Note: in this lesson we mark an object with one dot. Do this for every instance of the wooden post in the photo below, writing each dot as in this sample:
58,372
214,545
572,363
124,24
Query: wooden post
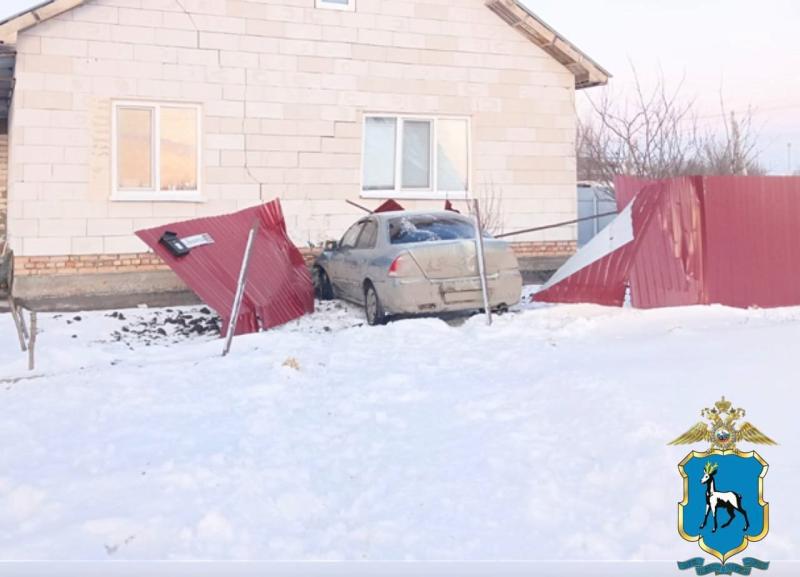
481,261
237,299
32,342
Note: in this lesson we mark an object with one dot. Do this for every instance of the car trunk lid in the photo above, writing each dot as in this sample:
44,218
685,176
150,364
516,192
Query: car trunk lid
458,258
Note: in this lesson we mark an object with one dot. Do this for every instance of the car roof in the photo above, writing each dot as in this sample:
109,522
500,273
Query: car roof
399,213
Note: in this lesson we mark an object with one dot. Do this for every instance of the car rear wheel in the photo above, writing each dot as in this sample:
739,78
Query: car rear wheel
322,285
373,307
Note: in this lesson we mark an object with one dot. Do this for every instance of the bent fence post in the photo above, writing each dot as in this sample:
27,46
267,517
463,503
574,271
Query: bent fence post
481,260
237,300
19,323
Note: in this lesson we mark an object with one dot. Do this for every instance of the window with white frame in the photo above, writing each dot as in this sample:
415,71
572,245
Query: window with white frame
156,151
415,156
349,5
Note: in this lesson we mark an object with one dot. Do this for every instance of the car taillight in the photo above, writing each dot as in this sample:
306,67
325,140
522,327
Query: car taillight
403,265
394,267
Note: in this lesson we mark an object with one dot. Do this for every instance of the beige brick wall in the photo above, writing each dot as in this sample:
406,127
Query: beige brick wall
283,88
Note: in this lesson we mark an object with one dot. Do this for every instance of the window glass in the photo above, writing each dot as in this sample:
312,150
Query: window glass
451,151
349,238
379,153
368,236
398,154
426,228
178,162
416,154
134,148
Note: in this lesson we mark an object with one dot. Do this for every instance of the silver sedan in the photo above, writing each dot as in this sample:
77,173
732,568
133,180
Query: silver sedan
399,263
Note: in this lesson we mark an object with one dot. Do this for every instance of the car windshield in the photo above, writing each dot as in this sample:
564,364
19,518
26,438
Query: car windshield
427,228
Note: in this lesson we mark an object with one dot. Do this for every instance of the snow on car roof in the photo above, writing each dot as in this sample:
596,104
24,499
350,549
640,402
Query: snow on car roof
438,213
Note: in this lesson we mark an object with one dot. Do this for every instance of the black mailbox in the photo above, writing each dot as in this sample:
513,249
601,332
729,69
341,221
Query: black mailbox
174,245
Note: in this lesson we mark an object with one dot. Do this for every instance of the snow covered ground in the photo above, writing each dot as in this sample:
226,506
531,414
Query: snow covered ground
541,437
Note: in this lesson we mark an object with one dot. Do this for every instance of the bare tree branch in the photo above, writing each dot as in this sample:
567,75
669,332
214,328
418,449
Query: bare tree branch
653,133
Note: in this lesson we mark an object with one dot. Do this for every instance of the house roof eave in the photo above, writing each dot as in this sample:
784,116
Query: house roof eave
587,72
11,26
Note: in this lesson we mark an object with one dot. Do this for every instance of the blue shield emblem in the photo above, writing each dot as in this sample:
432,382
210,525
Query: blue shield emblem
723,506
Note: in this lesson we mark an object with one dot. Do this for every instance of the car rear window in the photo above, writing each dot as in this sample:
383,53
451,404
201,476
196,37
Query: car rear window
424,228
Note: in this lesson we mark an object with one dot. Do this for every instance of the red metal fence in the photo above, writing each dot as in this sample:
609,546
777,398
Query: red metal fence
699,240
751,226
279,286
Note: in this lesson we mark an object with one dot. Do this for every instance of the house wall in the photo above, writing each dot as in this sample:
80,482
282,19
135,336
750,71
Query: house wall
3,181
283,87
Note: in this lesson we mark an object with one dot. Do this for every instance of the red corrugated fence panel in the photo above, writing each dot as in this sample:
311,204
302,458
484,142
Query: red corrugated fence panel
751,227
604,280
626,187
278,287
697,240
389,205
668,267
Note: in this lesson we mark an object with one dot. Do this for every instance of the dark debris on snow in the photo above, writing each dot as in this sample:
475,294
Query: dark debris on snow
163,326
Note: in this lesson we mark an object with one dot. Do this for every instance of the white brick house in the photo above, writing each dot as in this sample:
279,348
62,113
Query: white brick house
126,114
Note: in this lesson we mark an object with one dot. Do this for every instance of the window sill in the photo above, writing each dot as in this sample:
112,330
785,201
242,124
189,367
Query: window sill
415,195
153,196
349,7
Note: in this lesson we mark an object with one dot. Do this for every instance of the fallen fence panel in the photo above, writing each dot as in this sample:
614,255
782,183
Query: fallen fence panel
279,285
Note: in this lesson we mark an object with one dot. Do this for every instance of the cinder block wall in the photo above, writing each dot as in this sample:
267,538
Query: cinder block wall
283,88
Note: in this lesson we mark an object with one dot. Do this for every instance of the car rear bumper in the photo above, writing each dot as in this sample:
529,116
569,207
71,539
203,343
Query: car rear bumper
422,295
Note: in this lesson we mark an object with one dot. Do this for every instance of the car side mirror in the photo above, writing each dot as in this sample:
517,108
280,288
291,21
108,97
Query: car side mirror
331,244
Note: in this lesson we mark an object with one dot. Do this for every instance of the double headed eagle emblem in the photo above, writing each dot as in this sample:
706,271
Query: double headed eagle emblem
722,432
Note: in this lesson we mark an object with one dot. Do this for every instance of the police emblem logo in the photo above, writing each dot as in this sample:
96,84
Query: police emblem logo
723,507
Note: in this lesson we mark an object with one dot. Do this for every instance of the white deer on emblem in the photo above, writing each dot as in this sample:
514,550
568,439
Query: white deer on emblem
727,500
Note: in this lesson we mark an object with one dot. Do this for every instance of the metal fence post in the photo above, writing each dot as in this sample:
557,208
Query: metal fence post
237,300
32,342
481,260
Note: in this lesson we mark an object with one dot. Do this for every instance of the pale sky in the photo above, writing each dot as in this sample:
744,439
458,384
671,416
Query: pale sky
748,50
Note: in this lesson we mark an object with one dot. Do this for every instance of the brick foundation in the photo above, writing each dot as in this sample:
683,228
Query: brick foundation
87,264
146,261
545,248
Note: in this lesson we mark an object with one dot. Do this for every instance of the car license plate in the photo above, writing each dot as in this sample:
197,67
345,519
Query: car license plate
462,285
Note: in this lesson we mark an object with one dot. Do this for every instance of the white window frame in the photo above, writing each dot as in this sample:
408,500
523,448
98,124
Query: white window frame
433,192
155,193
349,7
